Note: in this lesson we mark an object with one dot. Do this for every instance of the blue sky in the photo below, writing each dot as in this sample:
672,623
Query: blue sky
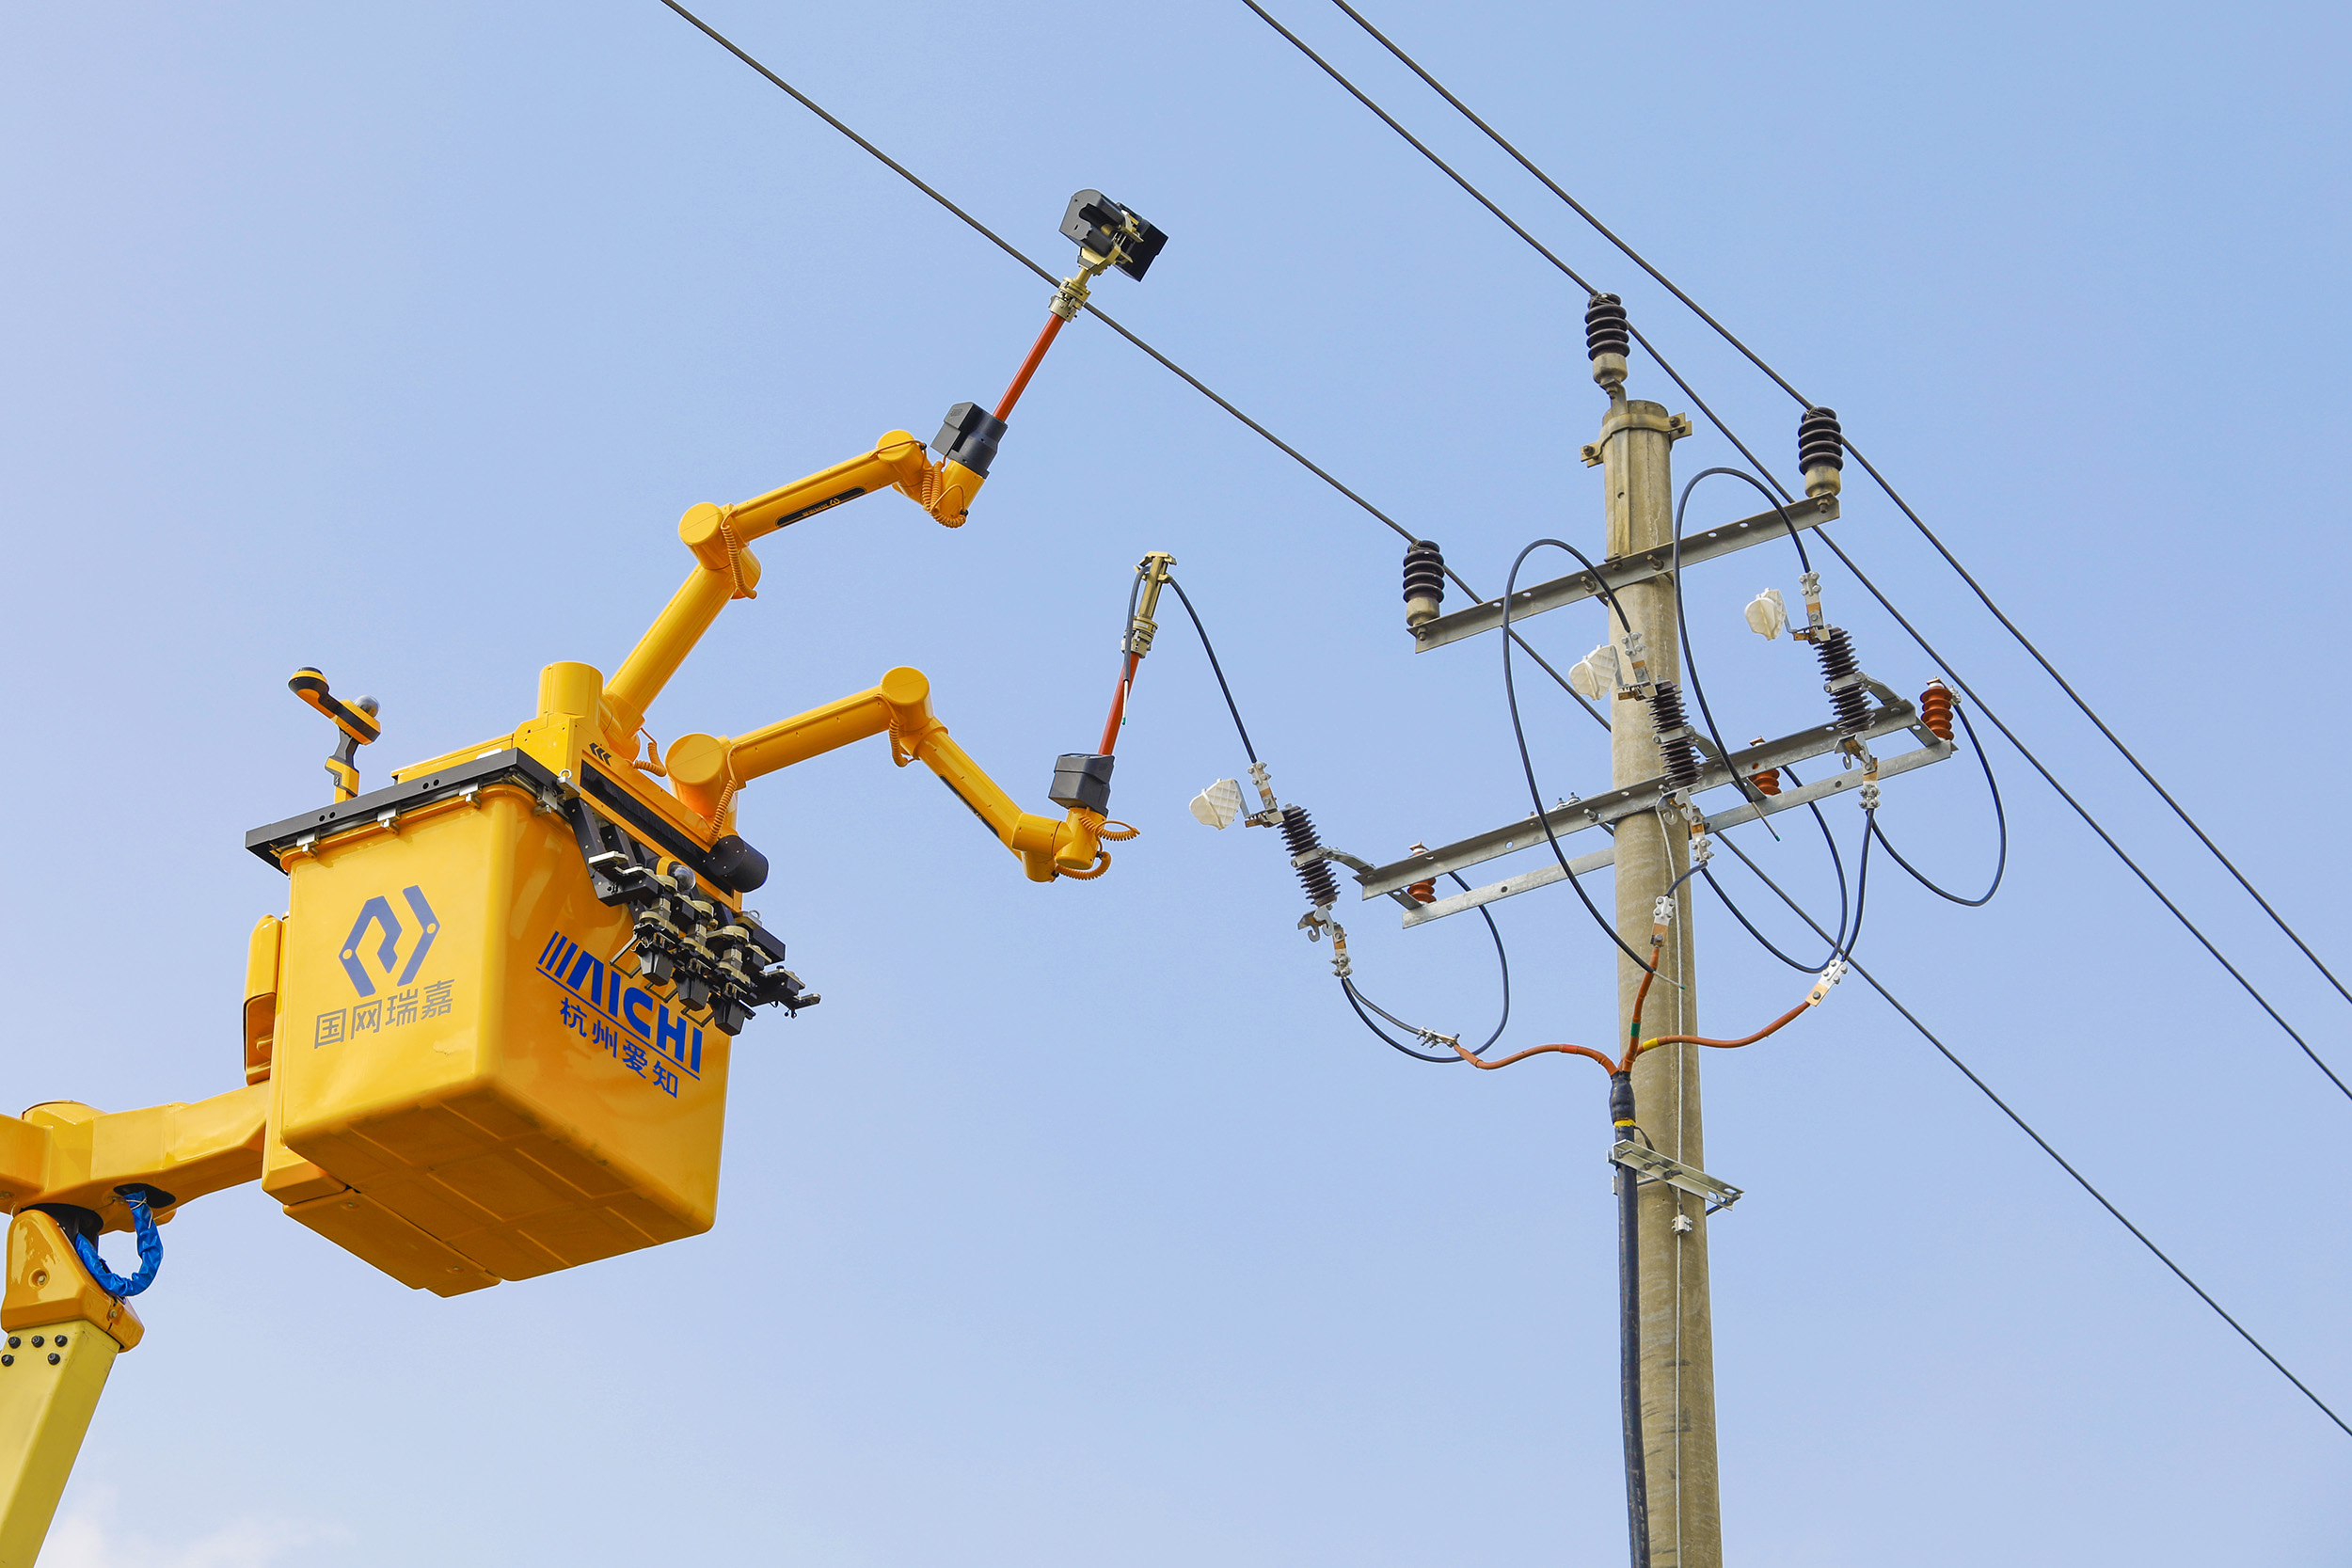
1081,1223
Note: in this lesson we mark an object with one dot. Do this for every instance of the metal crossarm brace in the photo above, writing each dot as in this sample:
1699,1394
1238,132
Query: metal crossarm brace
1891,718
1619,571
1647,1162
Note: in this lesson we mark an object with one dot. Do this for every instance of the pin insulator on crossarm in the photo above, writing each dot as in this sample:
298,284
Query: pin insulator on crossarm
1935,710
1608,338
1424,891
1820,452
1424,584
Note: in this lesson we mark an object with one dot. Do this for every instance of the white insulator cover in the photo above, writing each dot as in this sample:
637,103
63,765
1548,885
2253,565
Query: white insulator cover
1767,616
1594,675
1218,804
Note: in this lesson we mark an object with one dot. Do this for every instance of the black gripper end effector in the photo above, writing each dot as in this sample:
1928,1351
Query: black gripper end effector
1082,780
969,437
1097,223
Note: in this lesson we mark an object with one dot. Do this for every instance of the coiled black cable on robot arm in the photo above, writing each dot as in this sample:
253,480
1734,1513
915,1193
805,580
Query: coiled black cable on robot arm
1355,999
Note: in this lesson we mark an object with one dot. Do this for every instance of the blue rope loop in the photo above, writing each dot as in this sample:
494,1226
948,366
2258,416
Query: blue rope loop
151,1249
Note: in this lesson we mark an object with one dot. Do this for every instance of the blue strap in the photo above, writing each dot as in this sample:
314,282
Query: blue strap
150,1251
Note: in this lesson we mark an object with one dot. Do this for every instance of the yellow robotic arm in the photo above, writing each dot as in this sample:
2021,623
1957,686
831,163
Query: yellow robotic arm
724,569
706,770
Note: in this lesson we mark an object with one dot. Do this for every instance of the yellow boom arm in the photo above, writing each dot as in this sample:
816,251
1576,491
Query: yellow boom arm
724,570
62,1329
707,770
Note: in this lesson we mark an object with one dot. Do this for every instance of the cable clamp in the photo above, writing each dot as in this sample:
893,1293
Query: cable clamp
1701,847
1272,815
1662,912
1871,795
1637,655
1830,977
1811,584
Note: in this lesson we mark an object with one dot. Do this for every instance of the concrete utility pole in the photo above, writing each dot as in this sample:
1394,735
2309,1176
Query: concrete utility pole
1678,1357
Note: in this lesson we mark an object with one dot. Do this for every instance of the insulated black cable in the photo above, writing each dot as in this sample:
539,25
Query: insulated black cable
1682,620
1358,1001
2043,1144
1166,363
1837,943
1728,436
1698,689
2051,779
1518,733
1215,668
1355,999
1916,522
2000,818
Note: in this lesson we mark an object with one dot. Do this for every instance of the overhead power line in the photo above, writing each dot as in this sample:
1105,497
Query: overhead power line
1916,522
2104,837
1186,376
2043,1144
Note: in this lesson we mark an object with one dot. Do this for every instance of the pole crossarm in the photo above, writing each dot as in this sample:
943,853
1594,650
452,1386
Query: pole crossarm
1892,717
1622,571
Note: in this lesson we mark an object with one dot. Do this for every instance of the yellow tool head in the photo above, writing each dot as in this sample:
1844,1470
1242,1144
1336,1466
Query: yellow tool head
357,722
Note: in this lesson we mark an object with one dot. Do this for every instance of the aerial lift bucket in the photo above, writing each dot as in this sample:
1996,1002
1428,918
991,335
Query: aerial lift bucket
472,1080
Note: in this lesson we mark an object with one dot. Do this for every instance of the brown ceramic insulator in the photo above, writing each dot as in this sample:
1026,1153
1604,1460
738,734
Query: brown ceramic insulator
1935,710
1768,781
1424,891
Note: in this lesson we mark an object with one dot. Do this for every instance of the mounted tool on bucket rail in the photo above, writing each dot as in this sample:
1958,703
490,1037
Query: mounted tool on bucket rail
489,1040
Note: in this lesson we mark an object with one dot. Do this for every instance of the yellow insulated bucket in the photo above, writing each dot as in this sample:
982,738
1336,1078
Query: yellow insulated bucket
472,1080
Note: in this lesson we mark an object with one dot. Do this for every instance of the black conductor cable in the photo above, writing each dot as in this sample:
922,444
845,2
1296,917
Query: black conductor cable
1355,999
2043,1144
2000,819
1163,361
1518,732
1358,1001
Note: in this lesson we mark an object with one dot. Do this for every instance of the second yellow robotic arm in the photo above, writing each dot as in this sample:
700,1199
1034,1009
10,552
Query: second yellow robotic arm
706,770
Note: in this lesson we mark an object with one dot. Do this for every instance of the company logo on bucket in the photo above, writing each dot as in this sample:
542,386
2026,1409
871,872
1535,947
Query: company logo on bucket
622,1016
378,911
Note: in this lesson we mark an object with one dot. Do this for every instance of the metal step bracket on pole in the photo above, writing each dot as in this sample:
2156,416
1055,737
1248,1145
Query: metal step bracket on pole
1644,1161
